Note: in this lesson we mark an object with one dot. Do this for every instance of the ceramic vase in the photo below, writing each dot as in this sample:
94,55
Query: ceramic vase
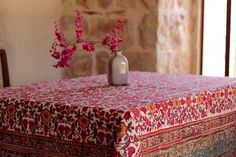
118,69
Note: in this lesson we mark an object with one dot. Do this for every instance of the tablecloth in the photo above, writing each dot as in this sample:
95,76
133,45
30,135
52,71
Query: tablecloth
154,115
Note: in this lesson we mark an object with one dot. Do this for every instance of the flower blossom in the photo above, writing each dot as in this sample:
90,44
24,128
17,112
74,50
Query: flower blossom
114,40
106,40
59,43
89,46
63,53
65,56
79,28
121,25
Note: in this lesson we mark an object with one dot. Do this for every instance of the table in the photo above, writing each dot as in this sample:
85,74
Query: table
155,115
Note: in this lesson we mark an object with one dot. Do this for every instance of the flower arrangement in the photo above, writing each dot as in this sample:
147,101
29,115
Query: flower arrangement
63,52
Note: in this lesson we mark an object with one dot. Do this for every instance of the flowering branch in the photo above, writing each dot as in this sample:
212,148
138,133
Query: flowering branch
60,50
63,53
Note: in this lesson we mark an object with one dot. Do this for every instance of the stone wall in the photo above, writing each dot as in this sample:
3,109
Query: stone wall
100,16
162,35
178,41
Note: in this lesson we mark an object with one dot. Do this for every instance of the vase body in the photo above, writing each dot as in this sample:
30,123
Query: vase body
118,69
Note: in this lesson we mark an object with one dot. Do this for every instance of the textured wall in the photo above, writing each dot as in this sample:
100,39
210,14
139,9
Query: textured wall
99,17
162,35
178,49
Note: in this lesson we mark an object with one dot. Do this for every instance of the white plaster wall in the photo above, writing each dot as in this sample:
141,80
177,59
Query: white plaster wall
26,31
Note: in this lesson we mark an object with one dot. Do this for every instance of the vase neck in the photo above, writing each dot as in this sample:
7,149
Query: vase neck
118,53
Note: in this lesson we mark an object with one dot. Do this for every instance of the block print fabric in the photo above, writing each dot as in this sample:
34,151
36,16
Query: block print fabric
155,115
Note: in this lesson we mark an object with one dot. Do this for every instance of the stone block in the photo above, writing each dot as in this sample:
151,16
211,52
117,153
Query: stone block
87,4
99,27
102,59
185,4
126,3
119,13
148,31
140,4
104,4
141,61
81,65
174,4
149,4
173,31
174,62
167,4
66,22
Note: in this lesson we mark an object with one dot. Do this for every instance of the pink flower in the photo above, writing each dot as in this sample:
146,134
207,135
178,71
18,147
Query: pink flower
59,36
64,57
56,55
89,46
106,40
63,53
79,28
121,25
114,40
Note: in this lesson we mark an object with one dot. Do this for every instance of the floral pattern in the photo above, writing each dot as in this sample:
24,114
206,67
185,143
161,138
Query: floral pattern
11,110
87,112
201,135
46,117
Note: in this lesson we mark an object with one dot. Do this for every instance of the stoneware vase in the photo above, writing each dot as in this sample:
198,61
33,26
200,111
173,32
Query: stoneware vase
118,69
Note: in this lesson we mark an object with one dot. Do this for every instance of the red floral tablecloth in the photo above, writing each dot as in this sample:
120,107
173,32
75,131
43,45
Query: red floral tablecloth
155,115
